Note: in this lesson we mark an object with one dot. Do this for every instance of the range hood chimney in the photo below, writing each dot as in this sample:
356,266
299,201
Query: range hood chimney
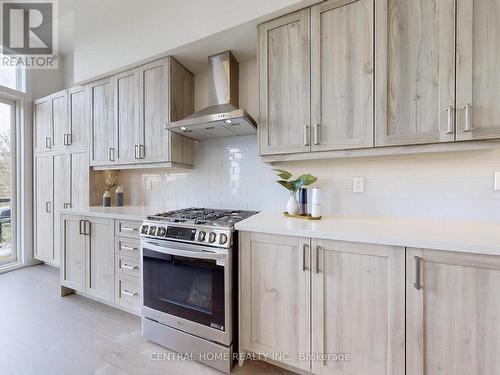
222,117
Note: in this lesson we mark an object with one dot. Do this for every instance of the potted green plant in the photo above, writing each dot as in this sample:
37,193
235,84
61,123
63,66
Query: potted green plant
293,186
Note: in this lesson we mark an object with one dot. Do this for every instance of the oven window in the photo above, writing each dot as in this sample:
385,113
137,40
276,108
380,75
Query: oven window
189,288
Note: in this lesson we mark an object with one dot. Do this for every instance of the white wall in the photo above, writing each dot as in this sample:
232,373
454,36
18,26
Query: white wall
114,33
41,82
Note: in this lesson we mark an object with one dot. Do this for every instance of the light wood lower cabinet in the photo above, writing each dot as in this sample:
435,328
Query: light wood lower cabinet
358,308
100,259
275,296
99,265
88,261
452,313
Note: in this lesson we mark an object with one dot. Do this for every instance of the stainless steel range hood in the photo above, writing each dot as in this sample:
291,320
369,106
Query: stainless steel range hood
223,117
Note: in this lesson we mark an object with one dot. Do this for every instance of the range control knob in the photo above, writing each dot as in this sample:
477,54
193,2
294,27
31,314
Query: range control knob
211,237
161,232
201,235
222,239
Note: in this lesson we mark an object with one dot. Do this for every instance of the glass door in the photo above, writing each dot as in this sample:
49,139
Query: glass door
8,251
185,287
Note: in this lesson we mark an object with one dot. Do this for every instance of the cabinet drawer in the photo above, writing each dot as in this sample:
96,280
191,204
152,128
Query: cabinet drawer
128,228
127,247
128,266
128,292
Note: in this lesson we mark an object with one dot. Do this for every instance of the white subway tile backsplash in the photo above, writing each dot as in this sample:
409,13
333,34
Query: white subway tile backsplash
228,173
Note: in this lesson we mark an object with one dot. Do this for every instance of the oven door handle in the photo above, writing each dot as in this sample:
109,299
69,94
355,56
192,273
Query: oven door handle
184,253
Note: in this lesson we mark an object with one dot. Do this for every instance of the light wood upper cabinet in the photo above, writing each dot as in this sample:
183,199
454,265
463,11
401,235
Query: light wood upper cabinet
77,129
127,132
102,122
478,76
342,74
453,318
144,100
284,75
42,124
275,298
59,118
154,101
100,258
43,202
73,252
358,307
415,78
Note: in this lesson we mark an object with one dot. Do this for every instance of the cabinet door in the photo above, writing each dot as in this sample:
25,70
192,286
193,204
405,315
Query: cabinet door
100,259
42,124
154,103
73,252
44,225
452,320
342,74
62,198
127,134
284,75
102,122
275,300
415,78
79,186
59,118
77,126
478,76
358,308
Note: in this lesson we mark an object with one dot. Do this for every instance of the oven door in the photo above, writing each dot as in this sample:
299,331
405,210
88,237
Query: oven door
188,287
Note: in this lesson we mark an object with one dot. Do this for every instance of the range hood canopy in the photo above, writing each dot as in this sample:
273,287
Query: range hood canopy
222,117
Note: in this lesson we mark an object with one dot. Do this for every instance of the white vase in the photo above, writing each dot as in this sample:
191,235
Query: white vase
292,207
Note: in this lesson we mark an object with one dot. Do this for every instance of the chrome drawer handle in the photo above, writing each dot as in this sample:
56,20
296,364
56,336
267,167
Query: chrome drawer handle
417,284
127,267
127,293
128,229
129,248
451,125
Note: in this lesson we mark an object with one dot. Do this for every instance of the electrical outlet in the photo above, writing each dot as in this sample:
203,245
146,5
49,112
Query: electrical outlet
358,185
496,185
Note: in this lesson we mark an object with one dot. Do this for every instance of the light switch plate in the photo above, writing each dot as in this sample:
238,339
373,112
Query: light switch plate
358,184
496,185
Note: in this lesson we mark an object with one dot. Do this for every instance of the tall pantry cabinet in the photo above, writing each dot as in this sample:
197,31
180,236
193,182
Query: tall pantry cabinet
61,171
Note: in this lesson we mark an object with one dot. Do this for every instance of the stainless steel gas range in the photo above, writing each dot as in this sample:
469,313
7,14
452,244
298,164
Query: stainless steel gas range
189,278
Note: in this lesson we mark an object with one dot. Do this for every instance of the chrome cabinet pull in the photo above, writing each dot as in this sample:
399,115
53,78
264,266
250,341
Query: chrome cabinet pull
318,249
127,267
111,154
127,293
65,141
142,152
48,142
451,124
129,248
87,232
81,229
69,139
304,248
416,284
67,205
306,135
128,229
316,134
468,120
47,207
136,151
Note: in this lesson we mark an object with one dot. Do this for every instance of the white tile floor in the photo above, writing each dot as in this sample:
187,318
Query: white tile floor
42,333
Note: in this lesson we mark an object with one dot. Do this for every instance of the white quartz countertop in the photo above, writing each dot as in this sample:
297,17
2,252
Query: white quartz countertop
466,236
124,213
